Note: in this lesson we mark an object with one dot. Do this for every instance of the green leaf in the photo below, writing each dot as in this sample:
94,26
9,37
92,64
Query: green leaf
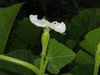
15,68
17,44
91,41
27,31
7,17
14,43
58,55
71,34
71,43
67,74
88,19
84,58
91,17
78,23
83,69
3,73
37,62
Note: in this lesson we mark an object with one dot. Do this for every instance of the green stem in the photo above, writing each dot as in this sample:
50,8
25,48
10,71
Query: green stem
96,68
97,60
45,39
45,64
42,60
76,5
20,62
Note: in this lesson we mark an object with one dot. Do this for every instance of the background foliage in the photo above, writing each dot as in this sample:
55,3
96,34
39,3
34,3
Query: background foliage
21,39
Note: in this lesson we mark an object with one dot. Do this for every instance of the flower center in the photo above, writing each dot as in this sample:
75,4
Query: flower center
48,25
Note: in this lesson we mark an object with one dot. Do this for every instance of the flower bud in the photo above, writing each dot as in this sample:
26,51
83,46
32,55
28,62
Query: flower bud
45,39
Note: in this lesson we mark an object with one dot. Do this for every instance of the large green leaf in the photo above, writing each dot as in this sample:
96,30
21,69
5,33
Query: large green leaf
84,58
91,41
17,43
78,23
14,43
71,43
3,73
58,56
88,19
7,17
15,68
70,38
66,74
27,31
91,17
71,34
83,69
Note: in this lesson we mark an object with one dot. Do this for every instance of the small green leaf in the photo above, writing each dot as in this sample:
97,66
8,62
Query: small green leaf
37,62
7,17
58,55
84,58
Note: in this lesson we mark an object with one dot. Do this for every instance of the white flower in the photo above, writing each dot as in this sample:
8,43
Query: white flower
58,27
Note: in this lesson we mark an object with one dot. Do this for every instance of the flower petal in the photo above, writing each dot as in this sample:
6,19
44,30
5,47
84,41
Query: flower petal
40,23
45,22
58,27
